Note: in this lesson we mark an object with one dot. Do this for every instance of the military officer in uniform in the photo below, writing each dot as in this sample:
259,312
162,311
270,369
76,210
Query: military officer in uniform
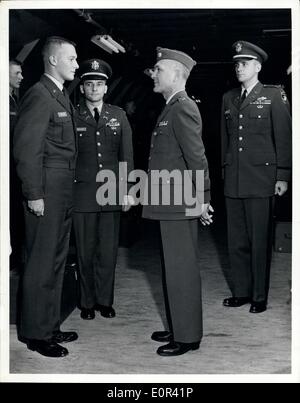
256,153
176,144
44,151
104,140
16,216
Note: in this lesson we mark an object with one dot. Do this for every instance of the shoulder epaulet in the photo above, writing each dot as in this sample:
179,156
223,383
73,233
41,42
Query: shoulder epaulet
273,86
114,106
282,91
183,98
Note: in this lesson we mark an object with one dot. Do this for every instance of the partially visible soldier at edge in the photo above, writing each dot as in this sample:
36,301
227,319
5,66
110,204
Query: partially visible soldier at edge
16,216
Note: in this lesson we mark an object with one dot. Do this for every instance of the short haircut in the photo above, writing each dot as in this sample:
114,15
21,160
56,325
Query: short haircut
14,62
54,41
183,70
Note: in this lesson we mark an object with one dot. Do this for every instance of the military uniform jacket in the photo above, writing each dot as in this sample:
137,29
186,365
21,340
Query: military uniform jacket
256,141
176,144
13,112
101,146
44,136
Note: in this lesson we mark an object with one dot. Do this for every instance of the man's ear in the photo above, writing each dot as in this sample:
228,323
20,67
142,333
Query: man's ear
81,89
52,60
105,89
258,67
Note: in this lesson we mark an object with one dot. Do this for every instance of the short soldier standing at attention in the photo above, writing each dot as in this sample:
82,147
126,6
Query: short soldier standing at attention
104,140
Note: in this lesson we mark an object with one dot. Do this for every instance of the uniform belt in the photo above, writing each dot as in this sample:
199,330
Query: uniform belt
59,164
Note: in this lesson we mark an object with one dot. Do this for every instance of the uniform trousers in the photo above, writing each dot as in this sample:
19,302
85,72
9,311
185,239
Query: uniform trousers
182,279
97,240
47,244
249,242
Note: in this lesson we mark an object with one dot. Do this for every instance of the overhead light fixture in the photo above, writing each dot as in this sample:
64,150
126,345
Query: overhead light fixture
107,43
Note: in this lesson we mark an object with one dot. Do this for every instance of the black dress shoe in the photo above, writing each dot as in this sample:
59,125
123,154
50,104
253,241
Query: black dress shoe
64,337
106,311
47,348
87,314
235,302
258,307
176,348
163,336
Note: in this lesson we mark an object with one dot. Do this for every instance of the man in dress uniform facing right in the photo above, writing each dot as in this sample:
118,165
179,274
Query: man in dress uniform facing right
256,154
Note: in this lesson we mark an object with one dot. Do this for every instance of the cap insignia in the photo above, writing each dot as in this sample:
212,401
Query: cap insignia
95,65
238,47
159,54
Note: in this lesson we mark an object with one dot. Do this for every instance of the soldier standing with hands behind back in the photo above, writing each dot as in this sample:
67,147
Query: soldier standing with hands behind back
256,152
177,146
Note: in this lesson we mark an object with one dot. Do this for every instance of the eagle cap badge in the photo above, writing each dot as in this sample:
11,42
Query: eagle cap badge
238,47
95,65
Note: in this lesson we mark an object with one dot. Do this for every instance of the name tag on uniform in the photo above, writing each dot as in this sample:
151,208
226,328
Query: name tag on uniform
163,123
62,114
81,129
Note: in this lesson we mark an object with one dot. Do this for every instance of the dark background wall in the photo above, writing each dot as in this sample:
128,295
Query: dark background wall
205,34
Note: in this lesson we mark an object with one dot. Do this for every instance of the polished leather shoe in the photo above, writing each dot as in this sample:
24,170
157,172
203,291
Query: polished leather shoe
105,311
47,348
258,307
87,314
176,348
162,337
64,337
235,302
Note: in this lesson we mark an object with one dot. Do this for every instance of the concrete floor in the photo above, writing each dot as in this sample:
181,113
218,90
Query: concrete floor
234,342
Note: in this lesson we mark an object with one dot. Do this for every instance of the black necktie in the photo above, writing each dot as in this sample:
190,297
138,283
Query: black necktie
243,97
66,95
96,114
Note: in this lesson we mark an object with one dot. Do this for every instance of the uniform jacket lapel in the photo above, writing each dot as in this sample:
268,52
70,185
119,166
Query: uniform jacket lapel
169,105
85,114
104,116
252,96
236,98
57,94
88,118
